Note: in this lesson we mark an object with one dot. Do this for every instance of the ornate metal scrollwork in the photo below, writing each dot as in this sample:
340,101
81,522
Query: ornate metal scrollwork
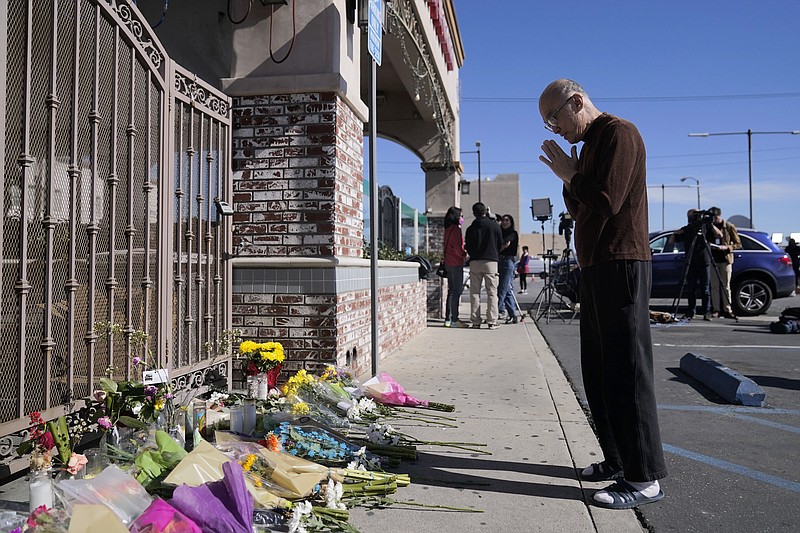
197,93
199,377
403,23
129,17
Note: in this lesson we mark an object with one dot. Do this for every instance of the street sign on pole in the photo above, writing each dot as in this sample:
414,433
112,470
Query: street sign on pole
375,30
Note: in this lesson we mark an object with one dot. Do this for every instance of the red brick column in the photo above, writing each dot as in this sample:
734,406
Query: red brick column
297,176
299,276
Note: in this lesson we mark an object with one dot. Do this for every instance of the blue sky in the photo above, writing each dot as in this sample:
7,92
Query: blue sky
672,68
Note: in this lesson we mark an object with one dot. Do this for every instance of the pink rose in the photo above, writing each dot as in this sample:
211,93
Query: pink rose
46,441
76,462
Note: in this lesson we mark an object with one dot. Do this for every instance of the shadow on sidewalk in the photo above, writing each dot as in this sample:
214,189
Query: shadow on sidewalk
433,470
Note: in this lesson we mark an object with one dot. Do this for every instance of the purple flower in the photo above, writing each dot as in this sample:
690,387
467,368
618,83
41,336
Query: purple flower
168,396
104,422
150,391
100,395
137,361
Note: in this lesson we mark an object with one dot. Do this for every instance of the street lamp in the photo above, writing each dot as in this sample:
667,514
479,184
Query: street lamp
749,134
698,187
477,151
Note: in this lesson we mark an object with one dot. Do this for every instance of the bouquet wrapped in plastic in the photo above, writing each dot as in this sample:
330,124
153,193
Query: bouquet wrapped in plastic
161,517
223,506
384,389
113,488
289,476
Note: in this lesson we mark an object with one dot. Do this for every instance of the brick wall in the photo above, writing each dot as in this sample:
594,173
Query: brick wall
320,329
297,182
298,273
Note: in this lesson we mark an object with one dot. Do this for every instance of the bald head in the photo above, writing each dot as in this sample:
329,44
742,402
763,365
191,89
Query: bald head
566,103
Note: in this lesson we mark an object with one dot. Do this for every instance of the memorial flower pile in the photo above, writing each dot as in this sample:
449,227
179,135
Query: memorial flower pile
50,444
299,458
260,357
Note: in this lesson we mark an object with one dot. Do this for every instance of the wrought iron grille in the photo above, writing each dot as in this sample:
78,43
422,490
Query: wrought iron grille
112,157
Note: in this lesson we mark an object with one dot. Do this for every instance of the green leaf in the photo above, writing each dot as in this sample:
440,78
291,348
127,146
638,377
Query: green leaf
58,428
132,422
108,385
25,448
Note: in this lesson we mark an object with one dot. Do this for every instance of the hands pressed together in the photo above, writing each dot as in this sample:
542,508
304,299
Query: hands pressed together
564,166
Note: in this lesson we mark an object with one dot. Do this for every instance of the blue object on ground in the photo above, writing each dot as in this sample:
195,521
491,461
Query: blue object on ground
731,385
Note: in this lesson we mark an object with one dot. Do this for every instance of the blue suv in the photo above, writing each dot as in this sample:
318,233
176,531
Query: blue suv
761,272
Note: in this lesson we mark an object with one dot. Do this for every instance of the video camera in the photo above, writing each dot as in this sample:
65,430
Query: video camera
702,217
565,226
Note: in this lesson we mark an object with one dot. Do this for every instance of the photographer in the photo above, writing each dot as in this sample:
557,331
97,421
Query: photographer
724,240
698,271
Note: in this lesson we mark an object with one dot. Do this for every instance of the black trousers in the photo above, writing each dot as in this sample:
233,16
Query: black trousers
698,275
617,366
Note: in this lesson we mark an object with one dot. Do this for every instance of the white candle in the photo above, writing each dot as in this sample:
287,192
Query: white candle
237,418
263,387
41,491
249,422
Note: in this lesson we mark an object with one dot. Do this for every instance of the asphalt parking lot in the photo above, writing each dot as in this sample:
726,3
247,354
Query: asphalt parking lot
732,468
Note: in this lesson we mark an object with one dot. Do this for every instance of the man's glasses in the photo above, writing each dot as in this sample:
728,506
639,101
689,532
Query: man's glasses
551,122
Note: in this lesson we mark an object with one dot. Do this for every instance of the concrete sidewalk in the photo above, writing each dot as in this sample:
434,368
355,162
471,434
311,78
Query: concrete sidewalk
510,393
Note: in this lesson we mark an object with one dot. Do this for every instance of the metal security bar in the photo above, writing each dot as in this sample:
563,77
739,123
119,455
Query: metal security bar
112,158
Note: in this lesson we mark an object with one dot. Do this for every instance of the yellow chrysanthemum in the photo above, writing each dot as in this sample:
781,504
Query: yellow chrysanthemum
300,408
247,347
272,351
248,462
295,382
330,373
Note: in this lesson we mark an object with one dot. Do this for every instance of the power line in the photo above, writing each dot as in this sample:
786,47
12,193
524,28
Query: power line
649,157
757,96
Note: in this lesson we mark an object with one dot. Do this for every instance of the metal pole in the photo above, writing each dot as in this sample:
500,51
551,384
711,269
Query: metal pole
373,214
662,207
750,172
698,194
478,145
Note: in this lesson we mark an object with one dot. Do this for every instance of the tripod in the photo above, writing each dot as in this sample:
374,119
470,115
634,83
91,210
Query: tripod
699,232
544,300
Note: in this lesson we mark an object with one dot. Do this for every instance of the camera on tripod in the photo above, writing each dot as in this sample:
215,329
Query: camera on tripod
565,226
702,217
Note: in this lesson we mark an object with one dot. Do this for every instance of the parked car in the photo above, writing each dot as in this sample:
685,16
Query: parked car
761,272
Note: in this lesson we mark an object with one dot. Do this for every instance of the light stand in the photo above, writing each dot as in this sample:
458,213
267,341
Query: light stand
542,211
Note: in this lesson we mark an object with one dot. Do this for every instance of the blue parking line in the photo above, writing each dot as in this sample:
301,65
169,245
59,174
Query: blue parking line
730,409
736,469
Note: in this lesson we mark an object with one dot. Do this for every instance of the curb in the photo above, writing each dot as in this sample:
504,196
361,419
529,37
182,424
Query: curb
731,385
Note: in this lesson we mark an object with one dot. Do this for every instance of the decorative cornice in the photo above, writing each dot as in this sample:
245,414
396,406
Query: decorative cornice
402,22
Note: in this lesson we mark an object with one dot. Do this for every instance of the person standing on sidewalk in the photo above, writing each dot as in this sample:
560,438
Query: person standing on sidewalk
522,270
508,256
725,239
454,256
483,241
605,192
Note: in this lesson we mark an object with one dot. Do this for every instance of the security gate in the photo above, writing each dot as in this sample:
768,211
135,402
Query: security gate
112,159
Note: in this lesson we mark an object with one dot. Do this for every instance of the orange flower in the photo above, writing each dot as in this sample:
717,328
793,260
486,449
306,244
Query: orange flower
273,444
